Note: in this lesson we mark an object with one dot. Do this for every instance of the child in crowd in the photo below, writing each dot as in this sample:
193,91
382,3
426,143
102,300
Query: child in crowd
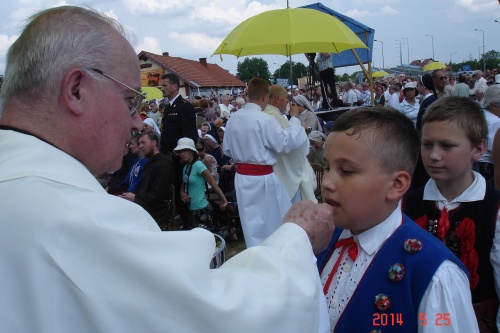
381,271
456,205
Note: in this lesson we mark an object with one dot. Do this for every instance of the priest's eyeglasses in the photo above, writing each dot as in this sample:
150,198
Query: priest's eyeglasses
136,102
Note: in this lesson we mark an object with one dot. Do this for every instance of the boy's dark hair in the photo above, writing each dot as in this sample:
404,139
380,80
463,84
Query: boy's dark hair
462,112
394,139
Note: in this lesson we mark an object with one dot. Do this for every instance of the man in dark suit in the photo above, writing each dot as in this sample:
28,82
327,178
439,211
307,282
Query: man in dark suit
179,121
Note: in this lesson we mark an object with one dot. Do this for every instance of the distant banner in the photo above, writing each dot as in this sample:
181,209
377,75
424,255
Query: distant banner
150,77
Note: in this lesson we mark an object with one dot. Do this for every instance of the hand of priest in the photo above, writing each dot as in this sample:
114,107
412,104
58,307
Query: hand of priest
315,219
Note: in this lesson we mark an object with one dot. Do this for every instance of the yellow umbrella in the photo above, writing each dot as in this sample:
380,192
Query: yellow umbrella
289,31
379,74
152,92
434,65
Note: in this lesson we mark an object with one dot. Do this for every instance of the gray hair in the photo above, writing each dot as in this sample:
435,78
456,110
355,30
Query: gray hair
491,96
241,101
54,41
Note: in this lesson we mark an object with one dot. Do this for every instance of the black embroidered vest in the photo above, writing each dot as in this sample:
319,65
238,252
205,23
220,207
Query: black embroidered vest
483,214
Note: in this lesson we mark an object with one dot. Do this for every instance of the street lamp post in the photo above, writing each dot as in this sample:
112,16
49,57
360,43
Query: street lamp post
451,55
383,62
432,37
479,53
408,48
484,60
400,53
279,69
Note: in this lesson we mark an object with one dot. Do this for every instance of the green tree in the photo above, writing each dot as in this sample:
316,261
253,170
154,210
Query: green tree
298,70
252,67
492,59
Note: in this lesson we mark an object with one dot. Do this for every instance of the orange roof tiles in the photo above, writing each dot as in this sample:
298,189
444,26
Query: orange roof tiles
211,75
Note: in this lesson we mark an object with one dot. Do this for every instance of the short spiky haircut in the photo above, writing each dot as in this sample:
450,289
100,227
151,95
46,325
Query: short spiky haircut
257,87
394,139
462,112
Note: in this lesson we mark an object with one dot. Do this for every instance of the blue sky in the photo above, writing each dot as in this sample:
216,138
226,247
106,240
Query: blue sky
193,29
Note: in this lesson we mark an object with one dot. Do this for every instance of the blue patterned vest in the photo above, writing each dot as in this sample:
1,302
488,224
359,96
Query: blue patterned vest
362,314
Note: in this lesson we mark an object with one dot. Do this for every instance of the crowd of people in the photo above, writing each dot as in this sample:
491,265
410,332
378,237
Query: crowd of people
407,237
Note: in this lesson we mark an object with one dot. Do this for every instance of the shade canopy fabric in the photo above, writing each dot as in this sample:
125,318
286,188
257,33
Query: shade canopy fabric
365,33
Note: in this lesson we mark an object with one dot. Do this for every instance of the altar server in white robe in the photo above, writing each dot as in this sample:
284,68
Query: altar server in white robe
254,139
76,259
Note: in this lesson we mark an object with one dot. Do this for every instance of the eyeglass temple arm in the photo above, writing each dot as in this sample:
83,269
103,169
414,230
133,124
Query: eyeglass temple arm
123,84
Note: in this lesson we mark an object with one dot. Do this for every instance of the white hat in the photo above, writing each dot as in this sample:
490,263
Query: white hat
185,143
411,85
497,79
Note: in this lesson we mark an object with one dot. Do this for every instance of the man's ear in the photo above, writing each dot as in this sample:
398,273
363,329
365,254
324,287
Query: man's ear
73,89
400,183
479,151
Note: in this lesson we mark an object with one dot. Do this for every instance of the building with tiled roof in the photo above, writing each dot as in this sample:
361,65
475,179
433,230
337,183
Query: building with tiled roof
197,77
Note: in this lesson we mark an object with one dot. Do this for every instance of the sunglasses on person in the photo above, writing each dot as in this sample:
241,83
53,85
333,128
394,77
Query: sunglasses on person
200,149
136,102
490,83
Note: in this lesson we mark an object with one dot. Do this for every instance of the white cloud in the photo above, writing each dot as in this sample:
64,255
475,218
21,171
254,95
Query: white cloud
149,44
389,10
154,6
197,42
357,14
478,6
5,43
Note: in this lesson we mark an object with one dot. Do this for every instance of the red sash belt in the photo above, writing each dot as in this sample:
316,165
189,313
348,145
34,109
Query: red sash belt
253,169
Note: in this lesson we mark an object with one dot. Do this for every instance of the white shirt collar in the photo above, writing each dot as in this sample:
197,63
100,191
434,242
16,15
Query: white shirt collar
423,99
475,192
372,239
173,99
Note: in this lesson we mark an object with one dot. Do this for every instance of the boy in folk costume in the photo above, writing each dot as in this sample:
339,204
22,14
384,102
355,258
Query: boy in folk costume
381,271
456,205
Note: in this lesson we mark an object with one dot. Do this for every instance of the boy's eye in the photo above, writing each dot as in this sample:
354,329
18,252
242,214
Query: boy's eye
347,172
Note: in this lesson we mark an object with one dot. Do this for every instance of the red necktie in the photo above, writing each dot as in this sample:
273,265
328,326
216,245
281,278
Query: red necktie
443,224
346,244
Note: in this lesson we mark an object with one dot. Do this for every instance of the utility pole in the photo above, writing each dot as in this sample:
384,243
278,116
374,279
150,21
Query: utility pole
408,48
451,55
383,62
484,60
279,70
400,53
432,37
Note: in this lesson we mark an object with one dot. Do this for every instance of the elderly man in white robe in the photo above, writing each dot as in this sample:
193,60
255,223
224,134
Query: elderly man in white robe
262,199
76,259
292,169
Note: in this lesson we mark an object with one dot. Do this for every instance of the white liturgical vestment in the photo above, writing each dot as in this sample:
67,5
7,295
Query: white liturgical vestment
76,259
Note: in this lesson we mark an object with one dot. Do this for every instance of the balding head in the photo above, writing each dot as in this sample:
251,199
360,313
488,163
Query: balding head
278,97
67,74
